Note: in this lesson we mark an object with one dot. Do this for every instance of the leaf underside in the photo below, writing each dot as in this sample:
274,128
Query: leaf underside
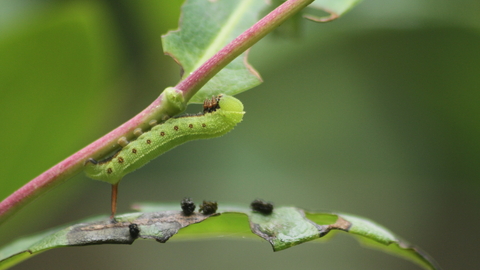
283,228
335,9
205,28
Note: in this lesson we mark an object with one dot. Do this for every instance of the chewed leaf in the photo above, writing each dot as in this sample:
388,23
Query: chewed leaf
283,227
205,28
334,7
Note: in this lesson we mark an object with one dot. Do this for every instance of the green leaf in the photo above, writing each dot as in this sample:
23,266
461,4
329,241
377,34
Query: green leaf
205,28
335,8
283,228
376,236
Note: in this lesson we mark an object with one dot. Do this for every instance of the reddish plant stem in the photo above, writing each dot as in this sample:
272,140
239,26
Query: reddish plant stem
74,164
114,201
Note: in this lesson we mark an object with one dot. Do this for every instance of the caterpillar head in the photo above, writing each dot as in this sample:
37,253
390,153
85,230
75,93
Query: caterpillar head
230,104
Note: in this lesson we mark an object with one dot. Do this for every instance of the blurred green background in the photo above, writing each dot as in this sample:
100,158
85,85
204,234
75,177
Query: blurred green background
375,114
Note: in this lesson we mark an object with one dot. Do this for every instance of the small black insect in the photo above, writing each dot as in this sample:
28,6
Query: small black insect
188,206
262,206
134,230
208,207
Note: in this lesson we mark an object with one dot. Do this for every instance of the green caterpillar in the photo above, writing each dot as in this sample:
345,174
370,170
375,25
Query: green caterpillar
220,115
